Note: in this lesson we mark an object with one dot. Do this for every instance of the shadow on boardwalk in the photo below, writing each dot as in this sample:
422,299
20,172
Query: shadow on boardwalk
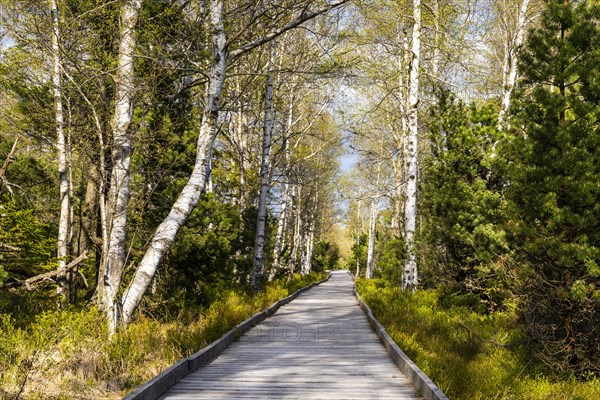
320,346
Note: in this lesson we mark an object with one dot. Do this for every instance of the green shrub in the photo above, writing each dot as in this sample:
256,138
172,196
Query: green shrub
469,355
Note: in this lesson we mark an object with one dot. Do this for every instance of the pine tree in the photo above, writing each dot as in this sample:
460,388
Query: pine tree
554,194
460,237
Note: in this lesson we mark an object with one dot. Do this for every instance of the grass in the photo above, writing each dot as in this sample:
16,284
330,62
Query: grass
65,354
468,355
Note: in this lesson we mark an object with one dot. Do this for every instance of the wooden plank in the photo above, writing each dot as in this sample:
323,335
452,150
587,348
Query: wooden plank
318,346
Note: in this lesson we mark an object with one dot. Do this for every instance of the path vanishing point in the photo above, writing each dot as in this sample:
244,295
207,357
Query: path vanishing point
319,346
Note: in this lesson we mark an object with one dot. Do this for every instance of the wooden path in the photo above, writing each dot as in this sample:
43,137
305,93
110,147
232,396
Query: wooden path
319,346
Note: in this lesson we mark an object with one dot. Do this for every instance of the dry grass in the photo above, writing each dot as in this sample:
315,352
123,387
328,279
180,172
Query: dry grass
65,354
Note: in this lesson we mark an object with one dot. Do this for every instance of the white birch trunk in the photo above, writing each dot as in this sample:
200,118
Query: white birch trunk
308,248
297,237
8,158
189,196
372,232
359,231
61,146
309,238
510,62
265,166
410,279
119,193
283,216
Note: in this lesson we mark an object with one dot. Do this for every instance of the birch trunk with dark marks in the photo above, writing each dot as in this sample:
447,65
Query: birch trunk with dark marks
409,277
190,194
286,198
8,159
358,233
309,237
265,182
61,147
297,234
119,193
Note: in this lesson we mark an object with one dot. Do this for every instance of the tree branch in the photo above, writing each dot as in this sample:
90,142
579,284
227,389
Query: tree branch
302,18
31,283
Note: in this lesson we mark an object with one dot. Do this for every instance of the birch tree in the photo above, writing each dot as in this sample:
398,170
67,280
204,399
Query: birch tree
258,265
61,146
190,194
119,194
513,40
372,232
410,279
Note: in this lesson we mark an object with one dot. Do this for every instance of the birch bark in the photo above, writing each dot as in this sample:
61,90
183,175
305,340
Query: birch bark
297,237
283,216
371,245
409,279
64,220
510,61
259,262
119,193
190,194
358,232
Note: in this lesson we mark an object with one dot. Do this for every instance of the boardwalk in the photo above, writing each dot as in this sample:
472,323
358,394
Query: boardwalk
320,346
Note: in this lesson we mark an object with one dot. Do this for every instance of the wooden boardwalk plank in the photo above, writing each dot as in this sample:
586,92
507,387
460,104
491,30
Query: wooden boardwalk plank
319,346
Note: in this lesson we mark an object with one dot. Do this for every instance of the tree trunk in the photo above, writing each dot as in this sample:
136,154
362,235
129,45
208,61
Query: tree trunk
510,61
409,279
309,237
8,158
372,232
297,239
119,193
283,216
358,233
61,146
189,196
265,166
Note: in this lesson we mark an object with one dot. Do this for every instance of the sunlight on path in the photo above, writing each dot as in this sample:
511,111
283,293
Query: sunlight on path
320,346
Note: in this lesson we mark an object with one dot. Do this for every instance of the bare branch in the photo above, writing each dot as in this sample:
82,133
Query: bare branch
31,283
302,18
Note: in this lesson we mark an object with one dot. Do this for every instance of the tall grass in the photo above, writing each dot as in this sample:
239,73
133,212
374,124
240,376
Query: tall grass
65,354
468,355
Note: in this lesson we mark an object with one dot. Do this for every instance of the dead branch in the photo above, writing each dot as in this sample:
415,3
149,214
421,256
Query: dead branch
34,281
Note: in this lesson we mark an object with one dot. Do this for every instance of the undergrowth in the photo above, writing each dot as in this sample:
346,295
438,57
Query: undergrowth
65,354
469,355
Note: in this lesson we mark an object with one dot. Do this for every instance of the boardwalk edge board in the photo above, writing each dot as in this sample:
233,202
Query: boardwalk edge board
162,382
420,381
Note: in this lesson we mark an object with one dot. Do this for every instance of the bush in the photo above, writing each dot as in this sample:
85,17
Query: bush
469,355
